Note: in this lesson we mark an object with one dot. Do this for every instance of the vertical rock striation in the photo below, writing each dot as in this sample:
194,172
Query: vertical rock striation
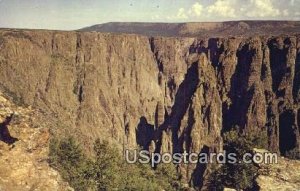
161,93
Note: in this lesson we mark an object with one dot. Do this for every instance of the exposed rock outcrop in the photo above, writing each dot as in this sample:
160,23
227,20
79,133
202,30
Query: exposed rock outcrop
282,175
164,94
24,152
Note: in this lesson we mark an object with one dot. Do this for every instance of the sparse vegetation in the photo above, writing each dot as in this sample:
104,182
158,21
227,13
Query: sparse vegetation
68,158
108,170
293,154
238,175
258,139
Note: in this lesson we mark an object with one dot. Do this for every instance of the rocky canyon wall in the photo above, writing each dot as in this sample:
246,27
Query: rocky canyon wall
163,94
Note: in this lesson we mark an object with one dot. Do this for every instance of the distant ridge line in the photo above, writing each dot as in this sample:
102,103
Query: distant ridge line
192,29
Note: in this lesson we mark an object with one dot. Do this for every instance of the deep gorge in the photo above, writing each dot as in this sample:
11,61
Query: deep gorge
171,94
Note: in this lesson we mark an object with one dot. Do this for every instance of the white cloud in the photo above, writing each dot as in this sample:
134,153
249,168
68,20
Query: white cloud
262,8
285,12
223,8
196,9
220,10
181,14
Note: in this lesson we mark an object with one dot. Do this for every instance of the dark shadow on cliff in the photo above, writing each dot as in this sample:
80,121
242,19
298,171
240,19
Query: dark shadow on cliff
189,128
4,132
198,173
298,118
239,93
144,133
287,134
215,51
296,85
183,100
199,48
155,54
278,61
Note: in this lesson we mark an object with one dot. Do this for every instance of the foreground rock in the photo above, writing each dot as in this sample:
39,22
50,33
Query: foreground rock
278,177
280,174
24,152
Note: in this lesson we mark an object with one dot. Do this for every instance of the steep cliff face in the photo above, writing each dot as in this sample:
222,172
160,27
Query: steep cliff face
101,85
164,94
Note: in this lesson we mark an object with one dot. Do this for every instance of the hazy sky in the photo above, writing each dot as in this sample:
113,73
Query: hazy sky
75,14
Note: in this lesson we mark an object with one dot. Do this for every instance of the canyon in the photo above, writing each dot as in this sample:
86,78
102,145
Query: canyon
167,94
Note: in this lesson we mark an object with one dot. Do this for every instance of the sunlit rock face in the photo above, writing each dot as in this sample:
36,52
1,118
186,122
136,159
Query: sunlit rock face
165,94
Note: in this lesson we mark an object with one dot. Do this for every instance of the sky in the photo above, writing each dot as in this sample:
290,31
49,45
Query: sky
76,14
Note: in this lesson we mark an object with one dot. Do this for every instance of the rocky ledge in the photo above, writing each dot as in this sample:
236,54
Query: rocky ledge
24,152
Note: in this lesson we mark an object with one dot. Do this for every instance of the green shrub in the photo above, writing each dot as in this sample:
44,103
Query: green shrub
258,139
237,175
107,166
67,157
108,170
167,176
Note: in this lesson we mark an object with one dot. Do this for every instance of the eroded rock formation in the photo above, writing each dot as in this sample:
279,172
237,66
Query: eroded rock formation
24,151
163,94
